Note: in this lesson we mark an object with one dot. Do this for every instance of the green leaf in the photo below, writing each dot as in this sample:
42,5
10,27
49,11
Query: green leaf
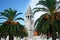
17,14
40,18
41,3
37,9
19,19
3,18
4,14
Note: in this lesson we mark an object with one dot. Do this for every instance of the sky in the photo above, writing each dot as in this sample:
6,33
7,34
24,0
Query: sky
19,5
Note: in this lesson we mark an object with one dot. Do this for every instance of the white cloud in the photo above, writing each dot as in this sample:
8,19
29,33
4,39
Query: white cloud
33,5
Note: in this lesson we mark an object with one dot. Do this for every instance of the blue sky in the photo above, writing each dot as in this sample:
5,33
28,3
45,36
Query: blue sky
19,5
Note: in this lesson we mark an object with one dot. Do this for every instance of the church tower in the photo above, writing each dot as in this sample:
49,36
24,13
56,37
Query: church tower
29,22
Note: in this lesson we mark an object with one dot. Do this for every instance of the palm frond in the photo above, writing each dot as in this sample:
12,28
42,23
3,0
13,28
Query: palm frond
4,14
49,4
11,10
14,13
37,9
17,15
41,3
40,18
3,18
7,11
40,8
45,27
19,19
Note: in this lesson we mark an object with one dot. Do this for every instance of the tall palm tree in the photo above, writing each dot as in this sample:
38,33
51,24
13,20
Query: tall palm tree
47,22
10,26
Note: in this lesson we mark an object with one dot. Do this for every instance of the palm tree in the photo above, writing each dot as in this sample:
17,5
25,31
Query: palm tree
10,26
47,22
2,33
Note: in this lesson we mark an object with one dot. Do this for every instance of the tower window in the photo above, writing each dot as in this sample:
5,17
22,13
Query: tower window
28,17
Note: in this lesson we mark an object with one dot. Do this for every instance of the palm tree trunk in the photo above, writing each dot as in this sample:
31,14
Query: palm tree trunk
53,33
53,36
11,37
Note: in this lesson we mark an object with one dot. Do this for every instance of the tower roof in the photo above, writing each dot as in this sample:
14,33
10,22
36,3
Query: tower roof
29,11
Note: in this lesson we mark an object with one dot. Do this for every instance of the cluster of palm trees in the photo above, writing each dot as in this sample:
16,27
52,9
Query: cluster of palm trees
48,23
11,27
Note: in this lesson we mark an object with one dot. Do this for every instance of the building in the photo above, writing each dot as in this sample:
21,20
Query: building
29,22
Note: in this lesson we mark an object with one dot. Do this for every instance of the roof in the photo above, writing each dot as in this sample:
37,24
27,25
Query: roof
29,10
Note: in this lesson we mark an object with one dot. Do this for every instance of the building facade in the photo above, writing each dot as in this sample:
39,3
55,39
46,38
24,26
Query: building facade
29,22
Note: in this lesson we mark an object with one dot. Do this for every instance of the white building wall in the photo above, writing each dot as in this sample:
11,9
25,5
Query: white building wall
29,21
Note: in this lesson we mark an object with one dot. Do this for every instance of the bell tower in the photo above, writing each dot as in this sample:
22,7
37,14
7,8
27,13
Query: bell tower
29,22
